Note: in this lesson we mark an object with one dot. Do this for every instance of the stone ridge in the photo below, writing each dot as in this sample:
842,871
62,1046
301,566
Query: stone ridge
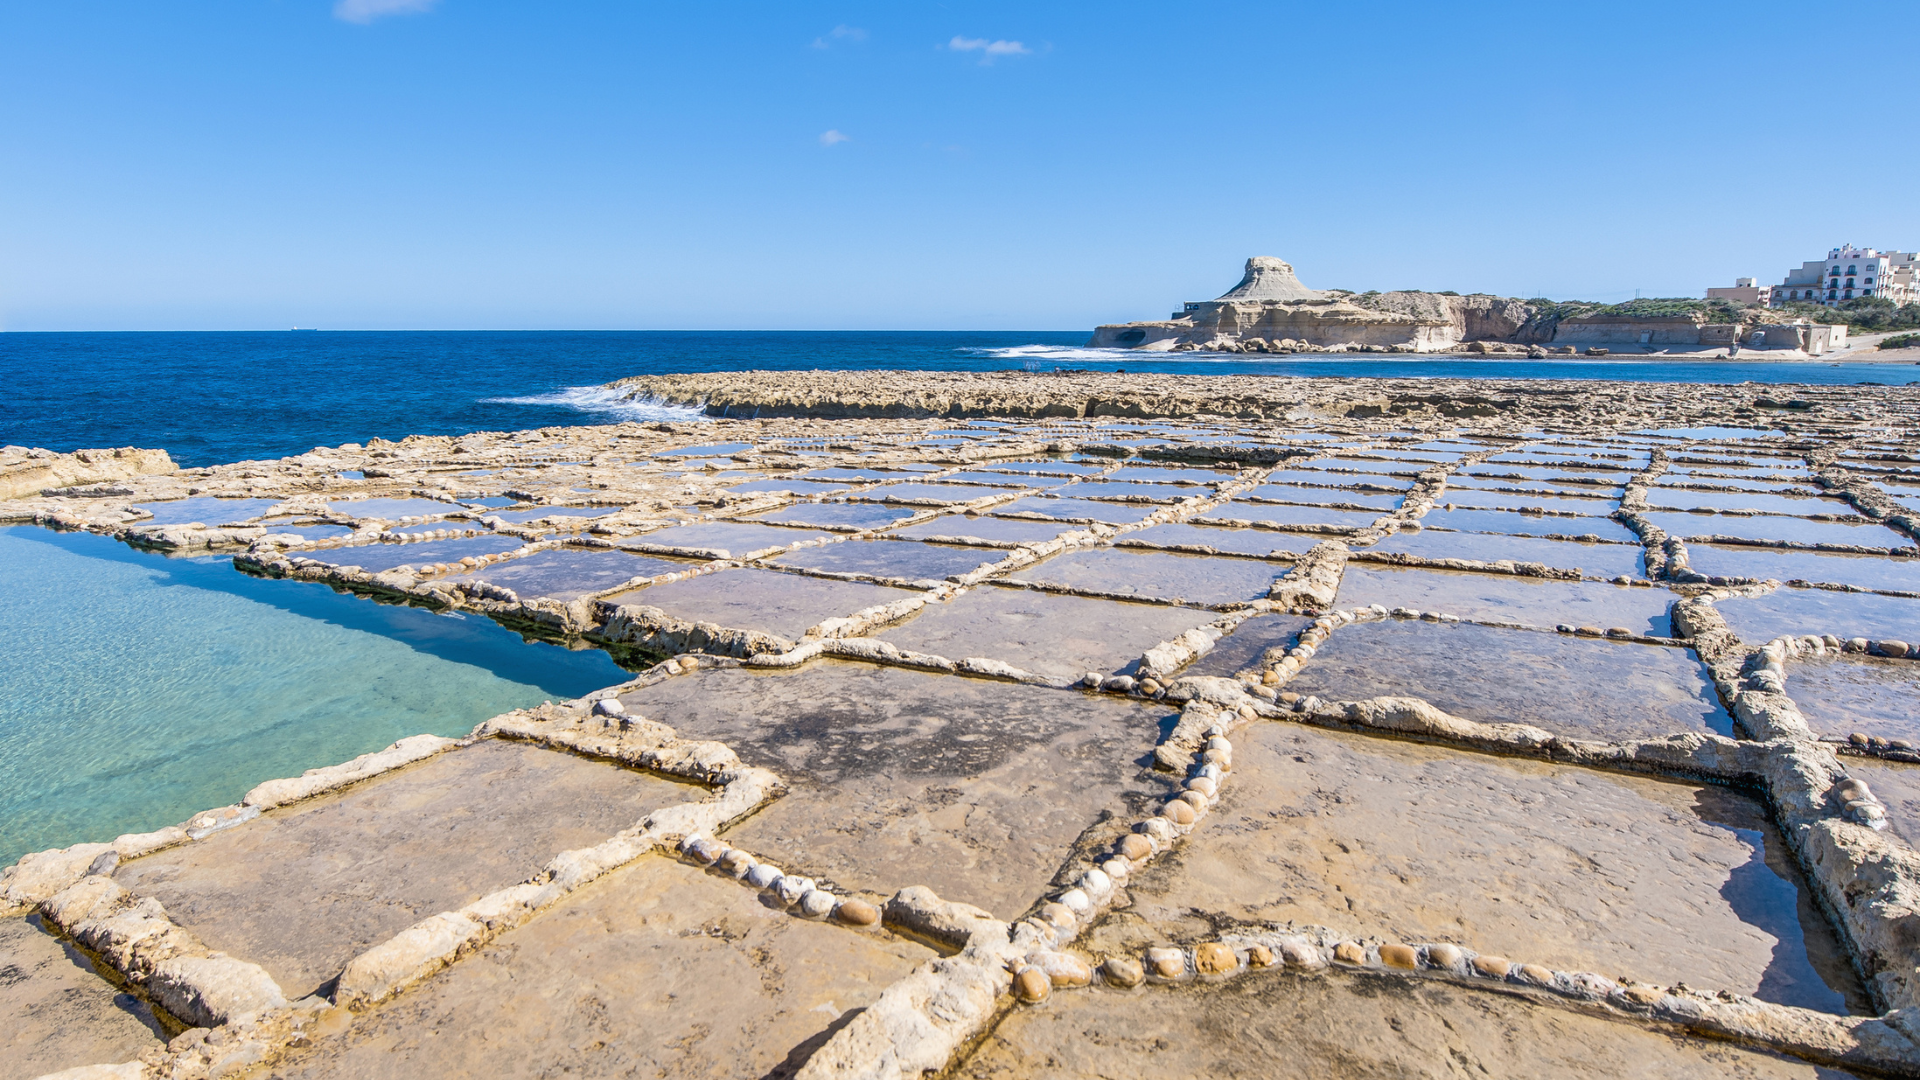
831,395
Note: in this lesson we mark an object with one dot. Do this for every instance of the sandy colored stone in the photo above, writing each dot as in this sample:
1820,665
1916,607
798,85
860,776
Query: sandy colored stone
1572,868
1031,985
659,969
1122,971
60,1013
1291,1027
1214,958
306,887
1399,956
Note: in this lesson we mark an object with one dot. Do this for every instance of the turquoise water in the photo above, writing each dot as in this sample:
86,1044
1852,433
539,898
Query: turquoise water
136,690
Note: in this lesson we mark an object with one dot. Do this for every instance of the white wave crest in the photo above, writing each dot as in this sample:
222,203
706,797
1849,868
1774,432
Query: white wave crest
1057,353
607,401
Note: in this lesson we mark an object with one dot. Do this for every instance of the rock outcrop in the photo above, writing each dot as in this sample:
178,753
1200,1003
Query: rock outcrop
27,471
1270,311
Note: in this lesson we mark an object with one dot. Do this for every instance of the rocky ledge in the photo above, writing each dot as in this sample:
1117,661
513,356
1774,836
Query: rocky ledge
747,395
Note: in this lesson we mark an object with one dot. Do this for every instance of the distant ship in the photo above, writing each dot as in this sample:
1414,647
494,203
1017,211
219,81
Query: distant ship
304,329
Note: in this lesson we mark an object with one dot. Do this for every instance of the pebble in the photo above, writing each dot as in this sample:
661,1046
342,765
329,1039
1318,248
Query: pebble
1259,956
1400,956
763,875
609,707
1642,994
1160,829
1350,952
1076,901
1299,954
791,888
1852,790
1895,649
1619,632
1123,971
1858,644
1059,915
704,850
1215,958
1096,883
1167,963
1536,974
1119,870
1204,785
1858,738
857,912
816,904
1134,846
1149,686
1222,758
1493,967
1194,799
1064,970
736,862
1031,985
1443,956
1178,812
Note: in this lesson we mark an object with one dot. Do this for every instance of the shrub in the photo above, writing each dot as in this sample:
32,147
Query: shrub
1901,341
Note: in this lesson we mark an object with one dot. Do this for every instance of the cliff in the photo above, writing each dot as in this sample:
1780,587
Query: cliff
1271,311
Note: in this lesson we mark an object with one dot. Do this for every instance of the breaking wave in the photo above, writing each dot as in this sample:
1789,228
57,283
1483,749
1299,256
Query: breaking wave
606,401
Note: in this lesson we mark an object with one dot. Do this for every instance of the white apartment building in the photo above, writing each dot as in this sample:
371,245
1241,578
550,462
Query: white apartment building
1849,272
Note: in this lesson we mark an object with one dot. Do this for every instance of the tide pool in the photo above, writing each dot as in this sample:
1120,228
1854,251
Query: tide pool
136,689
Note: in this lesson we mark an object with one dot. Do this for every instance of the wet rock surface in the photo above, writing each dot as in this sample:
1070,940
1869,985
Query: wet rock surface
60,1013
1044,633
308,887
977,789
1556,865
1577,686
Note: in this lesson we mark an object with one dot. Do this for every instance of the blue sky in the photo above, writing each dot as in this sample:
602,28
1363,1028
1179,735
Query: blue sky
475,163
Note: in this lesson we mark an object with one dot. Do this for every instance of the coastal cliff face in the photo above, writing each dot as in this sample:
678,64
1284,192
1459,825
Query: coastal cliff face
26,471
1270,311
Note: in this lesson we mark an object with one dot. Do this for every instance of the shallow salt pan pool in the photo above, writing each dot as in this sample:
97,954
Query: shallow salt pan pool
136,690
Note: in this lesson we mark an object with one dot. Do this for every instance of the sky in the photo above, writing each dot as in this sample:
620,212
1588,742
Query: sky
232,164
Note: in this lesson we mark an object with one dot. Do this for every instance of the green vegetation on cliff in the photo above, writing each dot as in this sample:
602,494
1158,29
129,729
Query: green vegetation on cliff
1866,313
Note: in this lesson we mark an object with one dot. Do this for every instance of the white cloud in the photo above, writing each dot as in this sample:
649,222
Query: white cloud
988,50
365,11
840,33
828,138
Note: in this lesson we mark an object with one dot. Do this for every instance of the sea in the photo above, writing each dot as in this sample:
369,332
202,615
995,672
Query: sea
138,689
209,398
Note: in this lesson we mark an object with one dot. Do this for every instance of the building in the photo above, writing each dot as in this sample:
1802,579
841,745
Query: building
1744,291
1848,273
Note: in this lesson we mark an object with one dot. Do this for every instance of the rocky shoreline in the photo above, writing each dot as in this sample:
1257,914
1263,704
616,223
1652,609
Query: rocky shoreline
964,746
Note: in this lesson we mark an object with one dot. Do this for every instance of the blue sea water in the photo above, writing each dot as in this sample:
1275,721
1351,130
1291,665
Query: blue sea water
209,398
136,690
